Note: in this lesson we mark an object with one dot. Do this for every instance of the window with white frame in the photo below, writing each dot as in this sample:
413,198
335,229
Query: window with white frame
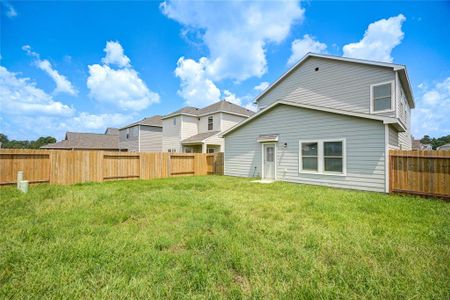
322,157
381,97
175,121
310,156
333,157
210,123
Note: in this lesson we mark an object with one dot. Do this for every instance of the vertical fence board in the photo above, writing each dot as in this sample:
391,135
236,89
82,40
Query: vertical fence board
420,172
68,167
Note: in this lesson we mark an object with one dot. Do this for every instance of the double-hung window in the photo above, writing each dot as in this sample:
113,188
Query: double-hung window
323,157
310,156
381,97
210,123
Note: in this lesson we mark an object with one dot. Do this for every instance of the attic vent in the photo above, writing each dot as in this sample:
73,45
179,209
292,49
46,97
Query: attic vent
316,69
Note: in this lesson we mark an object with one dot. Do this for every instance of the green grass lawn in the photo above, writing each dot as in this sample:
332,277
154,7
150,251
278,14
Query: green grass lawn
220,237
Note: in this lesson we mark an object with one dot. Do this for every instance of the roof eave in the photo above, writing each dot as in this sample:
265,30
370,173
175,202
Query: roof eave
385,120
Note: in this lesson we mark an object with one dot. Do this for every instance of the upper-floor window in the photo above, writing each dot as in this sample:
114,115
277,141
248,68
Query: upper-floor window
210,123
175,121
381,97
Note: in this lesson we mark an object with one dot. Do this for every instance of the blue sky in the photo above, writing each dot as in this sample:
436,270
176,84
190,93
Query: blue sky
84,66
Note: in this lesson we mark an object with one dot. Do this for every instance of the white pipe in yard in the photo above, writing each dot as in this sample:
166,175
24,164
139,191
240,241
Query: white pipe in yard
19,177
23,186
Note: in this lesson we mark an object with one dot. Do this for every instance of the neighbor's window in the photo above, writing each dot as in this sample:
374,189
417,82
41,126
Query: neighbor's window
382,97
322,157
175,121
210,123
210,150
333,157
310,152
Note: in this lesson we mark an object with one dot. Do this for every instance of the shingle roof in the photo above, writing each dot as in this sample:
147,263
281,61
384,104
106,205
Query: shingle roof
220,106
225,106
79,140
198,138
111,130
151,121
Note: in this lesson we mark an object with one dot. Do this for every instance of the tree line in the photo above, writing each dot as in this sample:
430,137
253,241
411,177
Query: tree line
435,142
25,144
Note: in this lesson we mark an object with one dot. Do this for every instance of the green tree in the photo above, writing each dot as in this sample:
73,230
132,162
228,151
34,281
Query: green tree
16,144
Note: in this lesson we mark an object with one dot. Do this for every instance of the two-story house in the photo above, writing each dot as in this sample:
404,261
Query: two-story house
142,136
194,130
327,121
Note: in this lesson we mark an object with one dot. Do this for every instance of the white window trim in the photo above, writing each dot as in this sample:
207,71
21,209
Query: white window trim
212,123
372,111
321,157
274,158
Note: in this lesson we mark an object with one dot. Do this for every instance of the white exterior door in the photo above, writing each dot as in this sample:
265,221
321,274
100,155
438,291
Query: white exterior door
269,161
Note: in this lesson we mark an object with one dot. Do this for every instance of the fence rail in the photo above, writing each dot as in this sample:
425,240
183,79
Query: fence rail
69,167
424,173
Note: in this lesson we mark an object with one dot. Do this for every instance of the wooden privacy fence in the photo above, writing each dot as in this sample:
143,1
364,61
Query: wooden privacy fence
420,172
68,167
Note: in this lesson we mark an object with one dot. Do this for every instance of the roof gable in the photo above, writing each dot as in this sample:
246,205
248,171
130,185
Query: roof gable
401,69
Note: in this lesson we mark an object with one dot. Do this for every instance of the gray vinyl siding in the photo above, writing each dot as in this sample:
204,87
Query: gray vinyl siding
337,84
365,145
132,142
393,138
151,139
172,134
404,140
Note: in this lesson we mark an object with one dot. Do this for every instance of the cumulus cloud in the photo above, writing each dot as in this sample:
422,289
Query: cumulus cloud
20,96
262,86
236,33
231,97
63,85
115,55
300,47
89,121
431,113
121,86
380,38
195,88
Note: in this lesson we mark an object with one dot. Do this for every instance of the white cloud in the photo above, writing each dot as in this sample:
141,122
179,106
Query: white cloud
115,55
230,97
62,84
380,38
89,121
195,88
262,86
20,96
10,10
236,32
431,113
121,87
300,47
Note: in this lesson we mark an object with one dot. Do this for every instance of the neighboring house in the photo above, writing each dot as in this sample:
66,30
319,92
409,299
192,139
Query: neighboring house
194,130
327,121
143,136
417,145
111,130
87,141
444,147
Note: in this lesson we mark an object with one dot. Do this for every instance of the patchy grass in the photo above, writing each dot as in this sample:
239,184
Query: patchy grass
220,237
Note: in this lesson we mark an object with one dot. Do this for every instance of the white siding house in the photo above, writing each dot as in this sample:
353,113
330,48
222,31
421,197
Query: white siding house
197,130
327,121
